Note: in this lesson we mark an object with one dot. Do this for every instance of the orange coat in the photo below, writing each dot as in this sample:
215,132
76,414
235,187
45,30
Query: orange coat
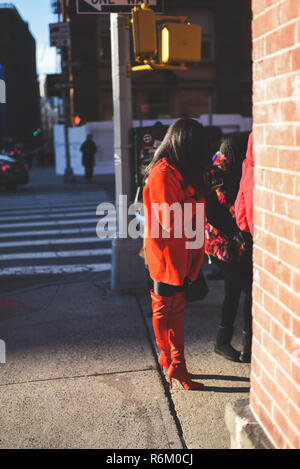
168,258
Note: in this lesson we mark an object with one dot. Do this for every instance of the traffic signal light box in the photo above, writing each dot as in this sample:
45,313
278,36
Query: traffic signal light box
173,38
180,43
144,34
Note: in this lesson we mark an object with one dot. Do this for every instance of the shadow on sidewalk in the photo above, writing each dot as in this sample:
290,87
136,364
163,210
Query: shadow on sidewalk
223,389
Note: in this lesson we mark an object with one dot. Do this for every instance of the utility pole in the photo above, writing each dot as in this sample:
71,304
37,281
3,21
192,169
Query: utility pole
64,51
128,269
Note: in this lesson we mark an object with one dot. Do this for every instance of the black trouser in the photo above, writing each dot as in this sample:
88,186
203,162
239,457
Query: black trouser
89,171
238,278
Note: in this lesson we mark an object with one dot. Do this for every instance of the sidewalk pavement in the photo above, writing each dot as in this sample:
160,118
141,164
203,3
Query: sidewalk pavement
81,372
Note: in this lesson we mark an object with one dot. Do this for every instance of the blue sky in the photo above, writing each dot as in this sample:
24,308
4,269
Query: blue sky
38,14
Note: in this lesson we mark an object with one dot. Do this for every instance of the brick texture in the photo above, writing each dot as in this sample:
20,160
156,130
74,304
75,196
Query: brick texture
275,372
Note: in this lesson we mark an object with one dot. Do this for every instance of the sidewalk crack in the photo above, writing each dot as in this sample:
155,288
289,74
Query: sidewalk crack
92,375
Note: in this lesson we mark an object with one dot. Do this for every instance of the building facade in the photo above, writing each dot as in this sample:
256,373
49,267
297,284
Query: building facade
275,378
18,57
222,83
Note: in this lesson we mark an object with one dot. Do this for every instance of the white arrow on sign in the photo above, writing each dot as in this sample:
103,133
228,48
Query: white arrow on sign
99,3
95,3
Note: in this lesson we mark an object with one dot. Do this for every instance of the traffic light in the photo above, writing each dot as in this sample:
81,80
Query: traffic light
36,132
144,33
78,120
180,43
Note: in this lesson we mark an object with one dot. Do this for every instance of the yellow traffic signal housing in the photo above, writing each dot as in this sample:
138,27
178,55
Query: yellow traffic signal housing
180,43
144,33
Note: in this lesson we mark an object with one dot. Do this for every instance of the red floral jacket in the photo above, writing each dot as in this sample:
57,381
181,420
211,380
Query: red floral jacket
218,244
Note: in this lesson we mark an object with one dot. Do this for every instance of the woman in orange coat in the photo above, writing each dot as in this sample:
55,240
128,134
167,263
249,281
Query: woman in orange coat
173,197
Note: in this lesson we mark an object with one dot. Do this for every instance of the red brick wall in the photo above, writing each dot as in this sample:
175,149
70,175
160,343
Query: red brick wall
275,378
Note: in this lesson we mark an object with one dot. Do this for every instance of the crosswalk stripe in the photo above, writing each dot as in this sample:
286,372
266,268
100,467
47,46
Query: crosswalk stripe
56,254
73,221
54,229
44,212
49,215
52,242
61,232
54,269
51,223
47,205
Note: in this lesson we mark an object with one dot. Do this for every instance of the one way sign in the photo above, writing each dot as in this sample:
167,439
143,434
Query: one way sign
86,7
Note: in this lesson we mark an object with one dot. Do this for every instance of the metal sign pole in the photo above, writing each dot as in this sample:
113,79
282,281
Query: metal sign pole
128,270
69,176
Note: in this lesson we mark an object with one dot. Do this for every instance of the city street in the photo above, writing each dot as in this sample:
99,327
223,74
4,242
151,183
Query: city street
48,228
75,348
149,226
69,346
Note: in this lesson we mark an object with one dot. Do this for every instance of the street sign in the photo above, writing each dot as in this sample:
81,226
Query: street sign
60,34
86,7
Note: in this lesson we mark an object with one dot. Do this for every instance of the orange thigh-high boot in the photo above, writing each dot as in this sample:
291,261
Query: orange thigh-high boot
177,369
161,307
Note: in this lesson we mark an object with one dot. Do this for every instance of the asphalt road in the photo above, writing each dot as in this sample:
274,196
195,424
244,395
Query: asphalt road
48,230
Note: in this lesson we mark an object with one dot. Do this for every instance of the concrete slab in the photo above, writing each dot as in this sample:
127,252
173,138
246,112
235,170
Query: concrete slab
114,411
202,413
80,372
107,335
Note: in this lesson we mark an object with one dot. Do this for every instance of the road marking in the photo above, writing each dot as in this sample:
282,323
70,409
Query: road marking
77,221
67,231
56,254
73,221
50,242
54,269
45,216
46,211
11,208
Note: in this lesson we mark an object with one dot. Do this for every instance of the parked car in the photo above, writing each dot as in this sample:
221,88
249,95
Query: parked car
13,172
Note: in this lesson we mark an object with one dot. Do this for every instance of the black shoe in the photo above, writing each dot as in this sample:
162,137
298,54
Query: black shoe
223,346
245,356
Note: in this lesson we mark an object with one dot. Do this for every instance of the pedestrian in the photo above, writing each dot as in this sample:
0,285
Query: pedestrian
88,149
230,248
214,136
175,175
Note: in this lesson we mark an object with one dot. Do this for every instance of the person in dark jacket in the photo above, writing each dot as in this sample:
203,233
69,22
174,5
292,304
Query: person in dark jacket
214,139
230,248
88,149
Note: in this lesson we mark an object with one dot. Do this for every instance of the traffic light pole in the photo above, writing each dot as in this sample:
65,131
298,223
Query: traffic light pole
128,270
69,176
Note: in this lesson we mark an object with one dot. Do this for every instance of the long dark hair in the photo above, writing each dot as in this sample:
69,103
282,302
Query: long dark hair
185,148
234,147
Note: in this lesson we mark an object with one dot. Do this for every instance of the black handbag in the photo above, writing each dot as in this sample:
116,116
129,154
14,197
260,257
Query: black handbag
198,289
